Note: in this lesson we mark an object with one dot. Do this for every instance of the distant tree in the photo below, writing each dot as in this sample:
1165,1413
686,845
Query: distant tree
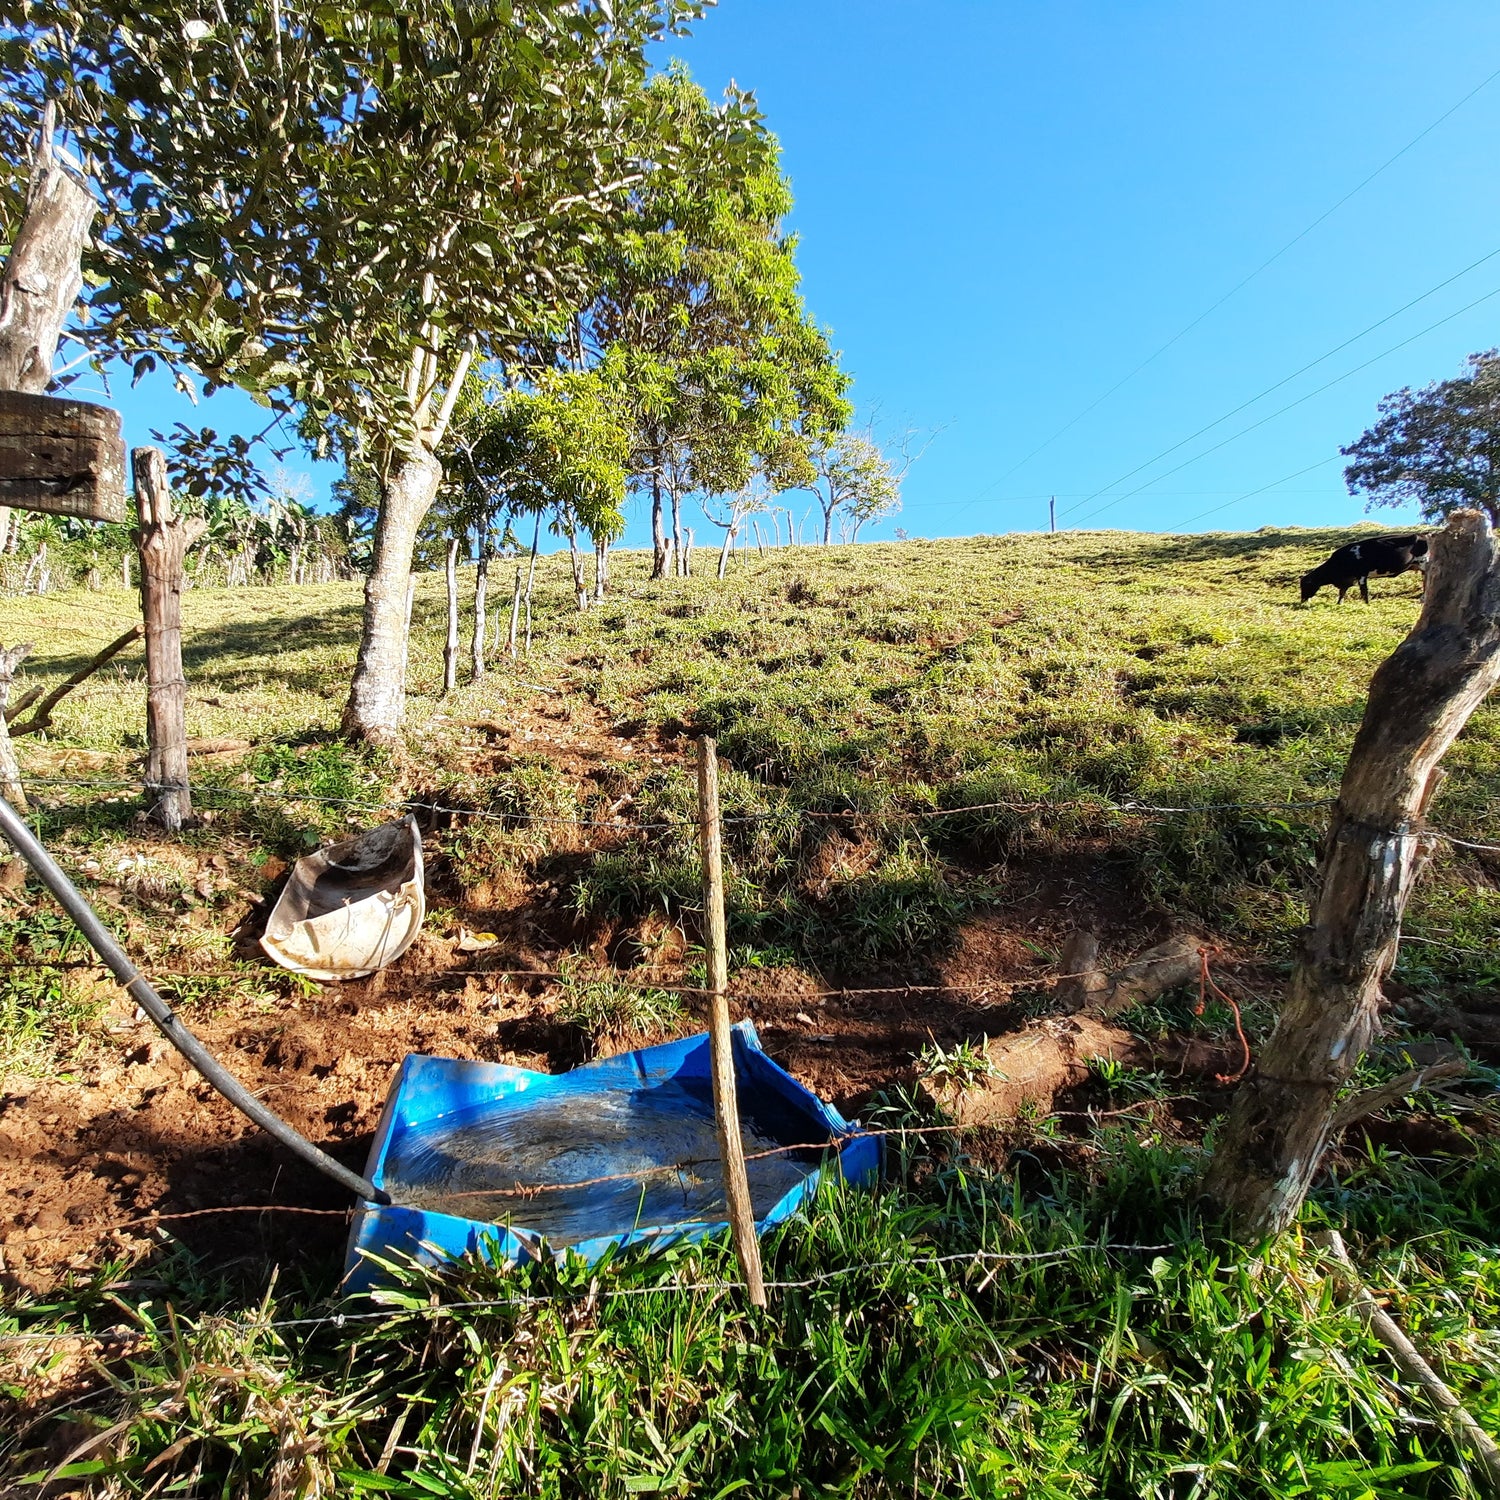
855,482
1438,447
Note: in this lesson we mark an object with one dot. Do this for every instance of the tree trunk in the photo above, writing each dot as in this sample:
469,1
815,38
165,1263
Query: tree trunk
828,526
515,616
1420,699
450,643
679,567
377,696
725,550
658,535
10,773
760,546
481,606
164,541
580,573
43,276
601,567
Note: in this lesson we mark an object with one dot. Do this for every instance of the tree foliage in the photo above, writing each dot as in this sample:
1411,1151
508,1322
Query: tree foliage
698,319
853,481
1438,447
315,201
558,447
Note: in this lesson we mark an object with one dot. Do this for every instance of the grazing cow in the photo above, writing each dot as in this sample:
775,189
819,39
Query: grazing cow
1379,556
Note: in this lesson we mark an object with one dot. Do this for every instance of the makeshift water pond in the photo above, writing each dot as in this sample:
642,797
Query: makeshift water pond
351,908
520,1165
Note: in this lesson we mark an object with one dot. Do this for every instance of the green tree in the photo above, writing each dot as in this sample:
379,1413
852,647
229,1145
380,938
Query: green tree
699,321
339,207
1438,447
854,481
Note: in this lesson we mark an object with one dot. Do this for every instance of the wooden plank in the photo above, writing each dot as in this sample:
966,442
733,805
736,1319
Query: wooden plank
60,456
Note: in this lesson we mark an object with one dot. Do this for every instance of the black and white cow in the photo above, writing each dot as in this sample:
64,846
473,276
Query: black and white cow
1379,557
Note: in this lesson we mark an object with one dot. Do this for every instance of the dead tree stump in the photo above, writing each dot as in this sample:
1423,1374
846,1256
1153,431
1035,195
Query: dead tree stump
43,274
1030,1066
1420,698
164,542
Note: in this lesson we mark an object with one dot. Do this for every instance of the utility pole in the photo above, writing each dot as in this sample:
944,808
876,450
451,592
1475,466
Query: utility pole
1052,513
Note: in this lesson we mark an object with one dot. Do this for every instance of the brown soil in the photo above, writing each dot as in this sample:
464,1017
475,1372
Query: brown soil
89,1159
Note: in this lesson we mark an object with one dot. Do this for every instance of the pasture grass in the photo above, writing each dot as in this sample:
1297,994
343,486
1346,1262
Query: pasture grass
1064,677
897,1357
1081,671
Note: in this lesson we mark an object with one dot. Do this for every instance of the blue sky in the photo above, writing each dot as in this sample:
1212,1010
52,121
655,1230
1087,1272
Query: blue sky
1004,209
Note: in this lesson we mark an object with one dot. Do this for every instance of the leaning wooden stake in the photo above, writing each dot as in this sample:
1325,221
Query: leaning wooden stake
1410,1361
164,542
726,1101
1420,698
41,715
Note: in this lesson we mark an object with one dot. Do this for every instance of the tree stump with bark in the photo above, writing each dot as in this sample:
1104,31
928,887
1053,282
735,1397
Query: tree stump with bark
1285,1112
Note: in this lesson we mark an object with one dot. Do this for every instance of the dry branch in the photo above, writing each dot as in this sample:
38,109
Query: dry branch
1411,1363
1371,1101
42,718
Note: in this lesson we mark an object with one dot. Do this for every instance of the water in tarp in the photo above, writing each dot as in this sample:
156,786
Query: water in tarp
470,1164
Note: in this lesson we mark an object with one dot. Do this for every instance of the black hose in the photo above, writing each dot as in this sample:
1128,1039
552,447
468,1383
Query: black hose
139,987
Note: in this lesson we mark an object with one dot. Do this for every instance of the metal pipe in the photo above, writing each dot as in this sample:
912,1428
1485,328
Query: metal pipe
140,990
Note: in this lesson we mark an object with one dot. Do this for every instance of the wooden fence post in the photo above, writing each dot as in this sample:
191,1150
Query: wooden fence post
450,645
721,1042
10,773
1420,698
164,540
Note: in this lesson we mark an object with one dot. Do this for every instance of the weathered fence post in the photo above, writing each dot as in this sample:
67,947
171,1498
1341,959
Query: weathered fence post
10,773
450,645
721,1041
164,541
481,608
1420,698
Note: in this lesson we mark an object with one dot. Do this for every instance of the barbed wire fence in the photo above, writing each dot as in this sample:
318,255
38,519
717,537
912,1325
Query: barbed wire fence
244,797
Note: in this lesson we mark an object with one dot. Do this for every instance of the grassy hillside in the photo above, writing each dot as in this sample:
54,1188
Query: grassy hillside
943,757
1081,670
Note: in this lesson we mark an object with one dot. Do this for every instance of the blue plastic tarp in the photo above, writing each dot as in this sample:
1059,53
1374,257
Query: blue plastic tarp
500,1161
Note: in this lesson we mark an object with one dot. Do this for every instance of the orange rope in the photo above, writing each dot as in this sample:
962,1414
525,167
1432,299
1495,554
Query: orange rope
1206,983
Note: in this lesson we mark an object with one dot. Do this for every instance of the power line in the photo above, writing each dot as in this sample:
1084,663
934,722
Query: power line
1282,410
1245,281
1214,510
1286,379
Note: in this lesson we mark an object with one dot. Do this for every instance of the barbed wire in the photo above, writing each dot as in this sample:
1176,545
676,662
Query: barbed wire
264,792
619,824
624,981
393,1312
